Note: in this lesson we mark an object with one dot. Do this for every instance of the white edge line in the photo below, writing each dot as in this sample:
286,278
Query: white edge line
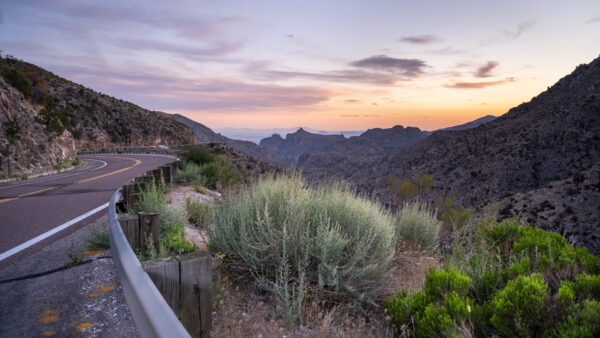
47,234
56,178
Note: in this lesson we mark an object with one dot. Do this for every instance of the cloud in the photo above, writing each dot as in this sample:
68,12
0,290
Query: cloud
478,85
370,115
351,101
420,39
349,115
593,20
446,51
373,103
486,70
512,34
407,67
217,49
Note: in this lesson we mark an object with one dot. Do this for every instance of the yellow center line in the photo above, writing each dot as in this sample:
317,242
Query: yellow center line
28,194
137,162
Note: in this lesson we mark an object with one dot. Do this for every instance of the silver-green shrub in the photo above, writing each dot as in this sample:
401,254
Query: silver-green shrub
417,225
189,173
292,239
153,200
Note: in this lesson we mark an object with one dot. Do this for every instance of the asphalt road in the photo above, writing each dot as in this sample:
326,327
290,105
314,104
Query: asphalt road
33,207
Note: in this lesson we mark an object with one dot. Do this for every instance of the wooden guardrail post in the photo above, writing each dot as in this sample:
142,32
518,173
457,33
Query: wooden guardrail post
196,284
131,228
165,275
157,175
167,174
149,228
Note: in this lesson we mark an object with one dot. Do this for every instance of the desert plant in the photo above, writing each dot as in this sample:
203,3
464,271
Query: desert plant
175,242
219,173
289,236
198,212
153,200
417,225
519,307
189,172
98,239
197,154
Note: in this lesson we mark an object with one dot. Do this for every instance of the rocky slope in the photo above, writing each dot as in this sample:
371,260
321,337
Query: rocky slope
552,138
295,144
32,151
473,124
94,120
359,150
204,134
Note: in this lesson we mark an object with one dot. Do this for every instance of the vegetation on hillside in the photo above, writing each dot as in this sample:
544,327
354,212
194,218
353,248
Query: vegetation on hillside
509,280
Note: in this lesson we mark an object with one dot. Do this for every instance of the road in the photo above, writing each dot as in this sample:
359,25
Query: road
34,209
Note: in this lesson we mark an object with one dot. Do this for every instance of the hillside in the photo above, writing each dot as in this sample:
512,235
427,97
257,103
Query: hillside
89,119
473,124
295,144
553,137
204,134
359,150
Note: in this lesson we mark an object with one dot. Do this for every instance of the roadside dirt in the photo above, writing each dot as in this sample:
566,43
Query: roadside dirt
84,300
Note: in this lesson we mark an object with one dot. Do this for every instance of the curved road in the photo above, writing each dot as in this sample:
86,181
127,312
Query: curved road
39,211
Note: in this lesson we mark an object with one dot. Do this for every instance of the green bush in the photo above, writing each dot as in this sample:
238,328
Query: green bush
290,237
153,200
584,322
417,225
518,308
440,309
198,212
52,118
20,82
197,154
189,173
76,162
587,286
175,241
566,294
219,173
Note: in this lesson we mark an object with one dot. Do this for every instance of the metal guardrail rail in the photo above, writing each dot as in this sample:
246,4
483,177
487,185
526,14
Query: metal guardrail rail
152,315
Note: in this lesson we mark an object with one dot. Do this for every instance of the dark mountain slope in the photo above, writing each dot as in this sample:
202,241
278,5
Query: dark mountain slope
473,124
204,134
298,143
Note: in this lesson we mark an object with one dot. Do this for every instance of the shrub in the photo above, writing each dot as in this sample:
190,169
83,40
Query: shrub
583,322
417,225
290,237
219,173
197,154
190,172
587,286
175,241
438,310
76,162
566,294
98,239
153,200
20,82
52,118
518,308
198,212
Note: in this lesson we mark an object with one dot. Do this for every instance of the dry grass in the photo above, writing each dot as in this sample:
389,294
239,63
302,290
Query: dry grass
242,310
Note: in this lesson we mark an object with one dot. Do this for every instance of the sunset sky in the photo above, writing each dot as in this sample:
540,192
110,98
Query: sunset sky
336,65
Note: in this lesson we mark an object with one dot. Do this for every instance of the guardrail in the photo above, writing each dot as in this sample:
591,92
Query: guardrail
152,315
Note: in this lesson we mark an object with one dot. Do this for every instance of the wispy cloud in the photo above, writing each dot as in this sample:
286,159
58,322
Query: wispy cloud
593,20
420,39
486,70
216,49
407,67
511,34
351,101
349,115
478,85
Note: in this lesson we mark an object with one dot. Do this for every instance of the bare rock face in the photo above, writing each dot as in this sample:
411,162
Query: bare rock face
34,150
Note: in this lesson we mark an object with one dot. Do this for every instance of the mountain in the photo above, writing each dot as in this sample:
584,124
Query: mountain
470,125
298,143
55,114
255,135
204,134
551,140
359,150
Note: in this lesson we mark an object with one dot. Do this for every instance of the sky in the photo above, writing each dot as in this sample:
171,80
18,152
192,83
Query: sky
330,65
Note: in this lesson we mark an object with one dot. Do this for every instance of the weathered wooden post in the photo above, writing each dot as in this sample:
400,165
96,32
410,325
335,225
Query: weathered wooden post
165,275
157,176
167,174
149,228
131,228
196,285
